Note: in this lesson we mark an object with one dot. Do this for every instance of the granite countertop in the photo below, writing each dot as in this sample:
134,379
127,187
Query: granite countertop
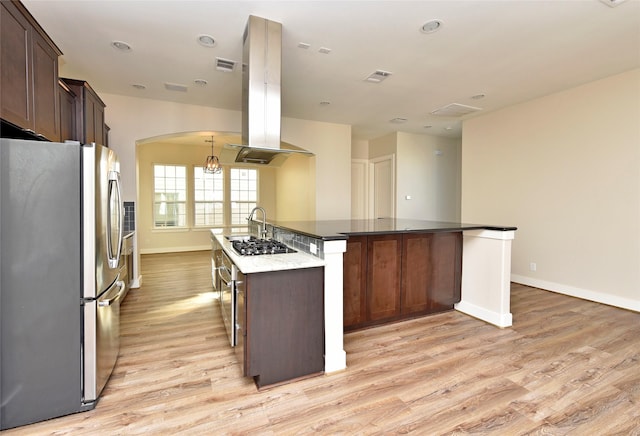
268,262
341,229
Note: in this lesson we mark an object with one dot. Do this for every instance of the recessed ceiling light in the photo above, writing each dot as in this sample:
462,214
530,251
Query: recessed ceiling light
303,45
478,96
121,45
325,103
324,50
431,26
448,128
206,40
427,126
139,86
200,82
613,3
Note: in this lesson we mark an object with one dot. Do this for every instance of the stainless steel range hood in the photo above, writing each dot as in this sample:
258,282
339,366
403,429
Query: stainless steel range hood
261,97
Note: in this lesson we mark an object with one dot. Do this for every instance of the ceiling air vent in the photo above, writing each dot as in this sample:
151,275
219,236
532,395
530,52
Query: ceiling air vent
377,76
455,110
175,87
225,65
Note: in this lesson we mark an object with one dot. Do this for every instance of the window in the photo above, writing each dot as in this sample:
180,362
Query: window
243,193
208,198
170,196
200,200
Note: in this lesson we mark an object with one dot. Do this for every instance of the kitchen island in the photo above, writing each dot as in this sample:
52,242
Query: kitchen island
483,275
272,306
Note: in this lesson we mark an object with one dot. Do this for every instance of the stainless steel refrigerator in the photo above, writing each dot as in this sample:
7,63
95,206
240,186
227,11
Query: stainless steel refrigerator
61,220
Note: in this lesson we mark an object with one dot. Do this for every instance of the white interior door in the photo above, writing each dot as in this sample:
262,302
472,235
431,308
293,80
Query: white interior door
382,180
359,189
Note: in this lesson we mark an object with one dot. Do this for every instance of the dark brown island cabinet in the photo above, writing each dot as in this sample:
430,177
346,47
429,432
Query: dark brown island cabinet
281,325
396,276
28,73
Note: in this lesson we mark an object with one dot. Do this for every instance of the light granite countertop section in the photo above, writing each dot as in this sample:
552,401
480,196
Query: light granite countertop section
268,262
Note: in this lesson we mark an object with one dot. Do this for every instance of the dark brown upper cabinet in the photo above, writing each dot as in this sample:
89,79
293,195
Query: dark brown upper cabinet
89,112
28,73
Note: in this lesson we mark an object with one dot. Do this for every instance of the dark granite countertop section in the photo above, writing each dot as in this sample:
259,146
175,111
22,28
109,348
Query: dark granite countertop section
341,229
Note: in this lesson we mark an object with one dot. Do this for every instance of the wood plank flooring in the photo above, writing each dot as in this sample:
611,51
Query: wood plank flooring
566,366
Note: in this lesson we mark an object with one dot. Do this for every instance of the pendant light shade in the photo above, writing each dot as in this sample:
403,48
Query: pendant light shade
212,164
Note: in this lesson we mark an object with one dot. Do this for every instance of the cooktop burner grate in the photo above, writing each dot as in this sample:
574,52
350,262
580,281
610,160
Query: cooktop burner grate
255,247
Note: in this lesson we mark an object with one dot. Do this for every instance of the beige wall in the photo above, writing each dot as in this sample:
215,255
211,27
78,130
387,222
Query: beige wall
564,169
331,144
135,119
152,240
383,146
432,181
428,170
296,190
314,189
359,149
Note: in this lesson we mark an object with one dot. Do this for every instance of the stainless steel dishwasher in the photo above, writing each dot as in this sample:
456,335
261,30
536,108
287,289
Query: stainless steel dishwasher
227,272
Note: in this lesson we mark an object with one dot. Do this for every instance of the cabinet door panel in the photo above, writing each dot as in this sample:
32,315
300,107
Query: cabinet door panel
354,275
90,120
284,325
67,115
383,276
16,96
45,86
446,269
416,272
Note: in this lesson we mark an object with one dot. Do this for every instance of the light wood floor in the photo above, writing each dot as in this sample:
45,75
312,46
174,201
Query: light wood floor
565,367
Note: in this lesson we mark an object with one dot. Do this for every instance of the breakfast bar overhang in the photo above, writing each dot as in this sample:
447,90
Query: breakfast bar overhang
485,272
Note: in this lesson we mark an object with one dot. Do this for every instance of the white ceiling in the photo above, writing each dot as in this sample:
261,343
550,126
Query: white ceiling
511,51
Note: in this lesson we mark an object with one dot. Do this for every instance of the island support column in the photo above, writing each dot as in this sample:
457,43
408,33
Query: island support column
335,358
486,272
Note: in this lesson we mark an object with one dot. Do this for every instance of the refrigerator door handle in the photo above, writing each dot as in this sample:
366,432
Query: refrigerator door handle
110,301
114,180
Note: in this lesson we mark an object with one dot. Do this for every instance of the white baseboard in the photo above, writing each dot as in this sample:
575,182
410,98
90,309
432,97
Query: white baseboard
174,249
336,362
136,283
585,294
495,318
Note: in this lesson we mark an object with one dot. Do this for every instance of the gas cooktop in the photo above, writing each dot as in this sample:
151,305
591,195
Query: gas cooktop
254,247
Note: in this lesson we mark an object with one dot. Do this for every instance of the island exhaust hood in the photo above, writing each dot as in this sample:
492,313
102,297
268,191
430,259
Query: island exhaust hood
261,99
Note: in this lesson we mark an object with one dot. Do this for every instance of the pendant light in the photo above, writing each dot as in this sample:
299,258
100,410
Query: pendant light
212,165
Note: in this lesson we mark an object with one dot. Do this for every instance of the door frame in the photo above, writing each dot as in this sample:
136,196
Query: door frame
372,184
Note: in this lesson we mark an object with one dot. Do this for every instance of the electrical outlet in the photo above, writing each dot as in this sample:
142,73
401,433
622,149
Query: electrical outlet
533,266
312,248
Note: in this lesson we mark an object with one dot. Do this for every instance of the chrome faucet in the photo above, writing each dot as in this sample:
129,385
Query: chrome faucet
263,232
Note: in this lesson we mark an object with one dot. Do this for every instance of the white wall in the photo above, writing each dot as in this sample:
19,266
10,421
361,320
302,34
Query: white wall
564,169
